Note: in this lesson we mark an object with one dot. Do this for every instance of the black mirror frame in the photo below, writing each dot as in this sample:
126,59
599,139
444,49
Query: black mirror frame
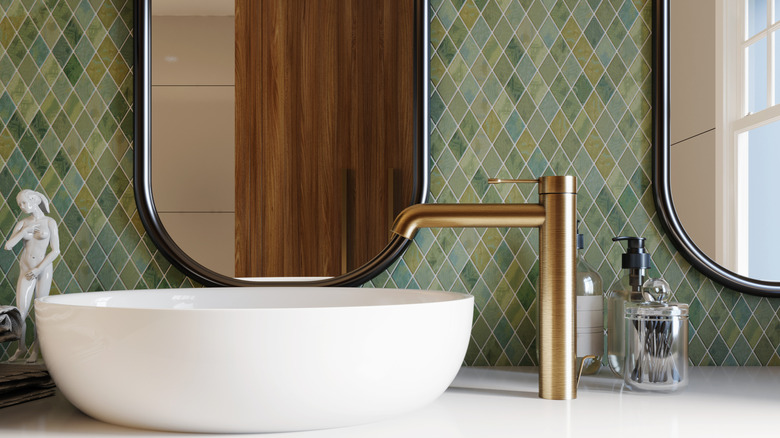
661,172
142,162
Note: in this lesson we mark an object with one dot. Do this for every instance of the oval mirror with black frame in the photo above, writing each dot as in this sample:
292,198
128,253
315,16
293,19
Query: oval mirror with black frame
716,111
323,100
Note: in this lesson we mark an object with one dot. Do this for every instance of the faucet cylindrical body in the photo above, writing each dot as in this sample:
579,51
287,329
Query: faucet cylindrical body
557,295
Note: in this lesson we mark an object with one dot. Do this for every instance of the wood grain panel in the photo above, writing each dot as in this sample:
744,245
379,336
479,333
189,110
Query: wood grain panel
247,83
334,93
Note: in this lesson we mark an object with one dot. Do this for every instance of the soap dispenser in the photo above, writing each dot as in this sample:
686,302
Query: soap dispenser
590,312
627,289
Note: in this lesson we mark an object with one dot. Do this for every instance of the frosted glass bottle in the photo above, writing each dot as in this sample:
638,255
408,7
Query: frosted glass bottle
590,313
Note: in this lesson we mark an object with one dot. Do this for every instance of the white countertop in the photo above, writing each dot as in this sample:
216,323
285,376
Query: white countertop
490,402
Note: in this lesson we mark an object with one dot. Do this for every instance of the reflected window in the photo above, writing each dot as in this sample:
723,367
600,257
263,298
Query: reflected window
762,199
756,80
750,31
756,14
758,47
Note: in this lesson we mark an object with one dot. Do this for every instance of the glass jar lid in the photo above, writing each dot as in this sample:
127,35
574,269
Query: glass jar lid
657,309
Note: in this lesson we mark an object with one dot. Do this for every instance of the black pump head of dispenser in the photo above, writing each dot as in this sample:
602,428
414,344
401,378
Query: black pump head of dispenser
580,238
635,257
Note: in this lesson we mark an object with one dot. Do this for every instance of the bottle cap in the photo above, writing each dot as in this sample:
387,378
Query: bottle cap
635,256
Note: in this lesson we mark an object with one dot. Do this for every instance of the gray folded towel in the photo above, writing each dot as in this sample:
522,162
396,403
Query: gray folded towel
10,324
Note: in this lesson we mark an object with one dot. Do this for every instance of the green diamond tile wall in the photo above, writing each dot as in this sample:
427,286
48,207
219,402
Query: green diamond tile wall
521,88
524,88
66,130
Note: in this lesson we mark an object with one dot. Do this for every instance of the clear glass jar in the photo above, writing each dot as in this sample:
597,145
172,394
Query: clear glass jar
656,346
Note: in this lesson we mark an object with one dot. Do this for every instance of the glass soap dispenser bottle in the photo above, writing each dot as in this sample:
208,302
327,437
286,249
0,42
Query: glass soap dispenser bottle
627,289
590,313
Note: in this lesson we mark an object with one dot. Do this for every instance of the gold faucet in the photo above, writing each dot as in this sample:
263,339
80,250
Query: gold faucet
555,216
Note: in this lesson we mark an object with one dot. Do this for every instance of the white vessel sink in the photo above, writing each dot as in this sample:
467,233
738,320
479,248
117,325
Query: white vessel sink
253,359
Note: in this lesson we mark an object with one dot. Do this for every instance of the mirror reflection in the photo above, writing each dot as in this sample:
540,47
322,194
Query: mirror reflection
725,119
282,131
193,120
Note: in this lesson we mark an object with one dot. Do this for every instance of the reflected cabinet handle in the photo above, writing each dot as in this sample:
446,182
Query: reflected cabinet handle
390,197
344,212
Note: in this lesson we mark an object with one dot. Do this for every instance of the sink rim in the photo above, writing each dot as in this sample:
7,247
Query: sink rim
118,299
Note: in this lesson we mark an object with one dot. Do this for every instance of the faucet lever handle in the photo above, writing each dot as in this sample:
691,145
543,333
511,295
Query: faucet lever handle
505,180
582,367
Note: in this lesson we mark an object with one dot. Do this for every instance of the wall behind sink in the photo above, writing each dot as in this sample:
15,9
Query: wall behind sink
520,88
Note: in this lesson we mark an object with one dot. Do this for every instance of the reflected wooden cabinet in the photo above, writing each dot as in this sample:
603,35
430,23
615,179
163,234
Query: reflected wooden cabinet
324,132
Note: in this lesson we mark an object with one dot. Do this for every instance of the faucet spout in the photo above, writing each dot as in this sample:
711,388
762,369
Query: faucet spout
555,216
467,215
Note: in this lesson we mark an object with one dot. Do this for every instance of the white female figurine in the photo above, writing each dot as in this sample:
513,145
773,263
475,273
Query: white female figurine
35,266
